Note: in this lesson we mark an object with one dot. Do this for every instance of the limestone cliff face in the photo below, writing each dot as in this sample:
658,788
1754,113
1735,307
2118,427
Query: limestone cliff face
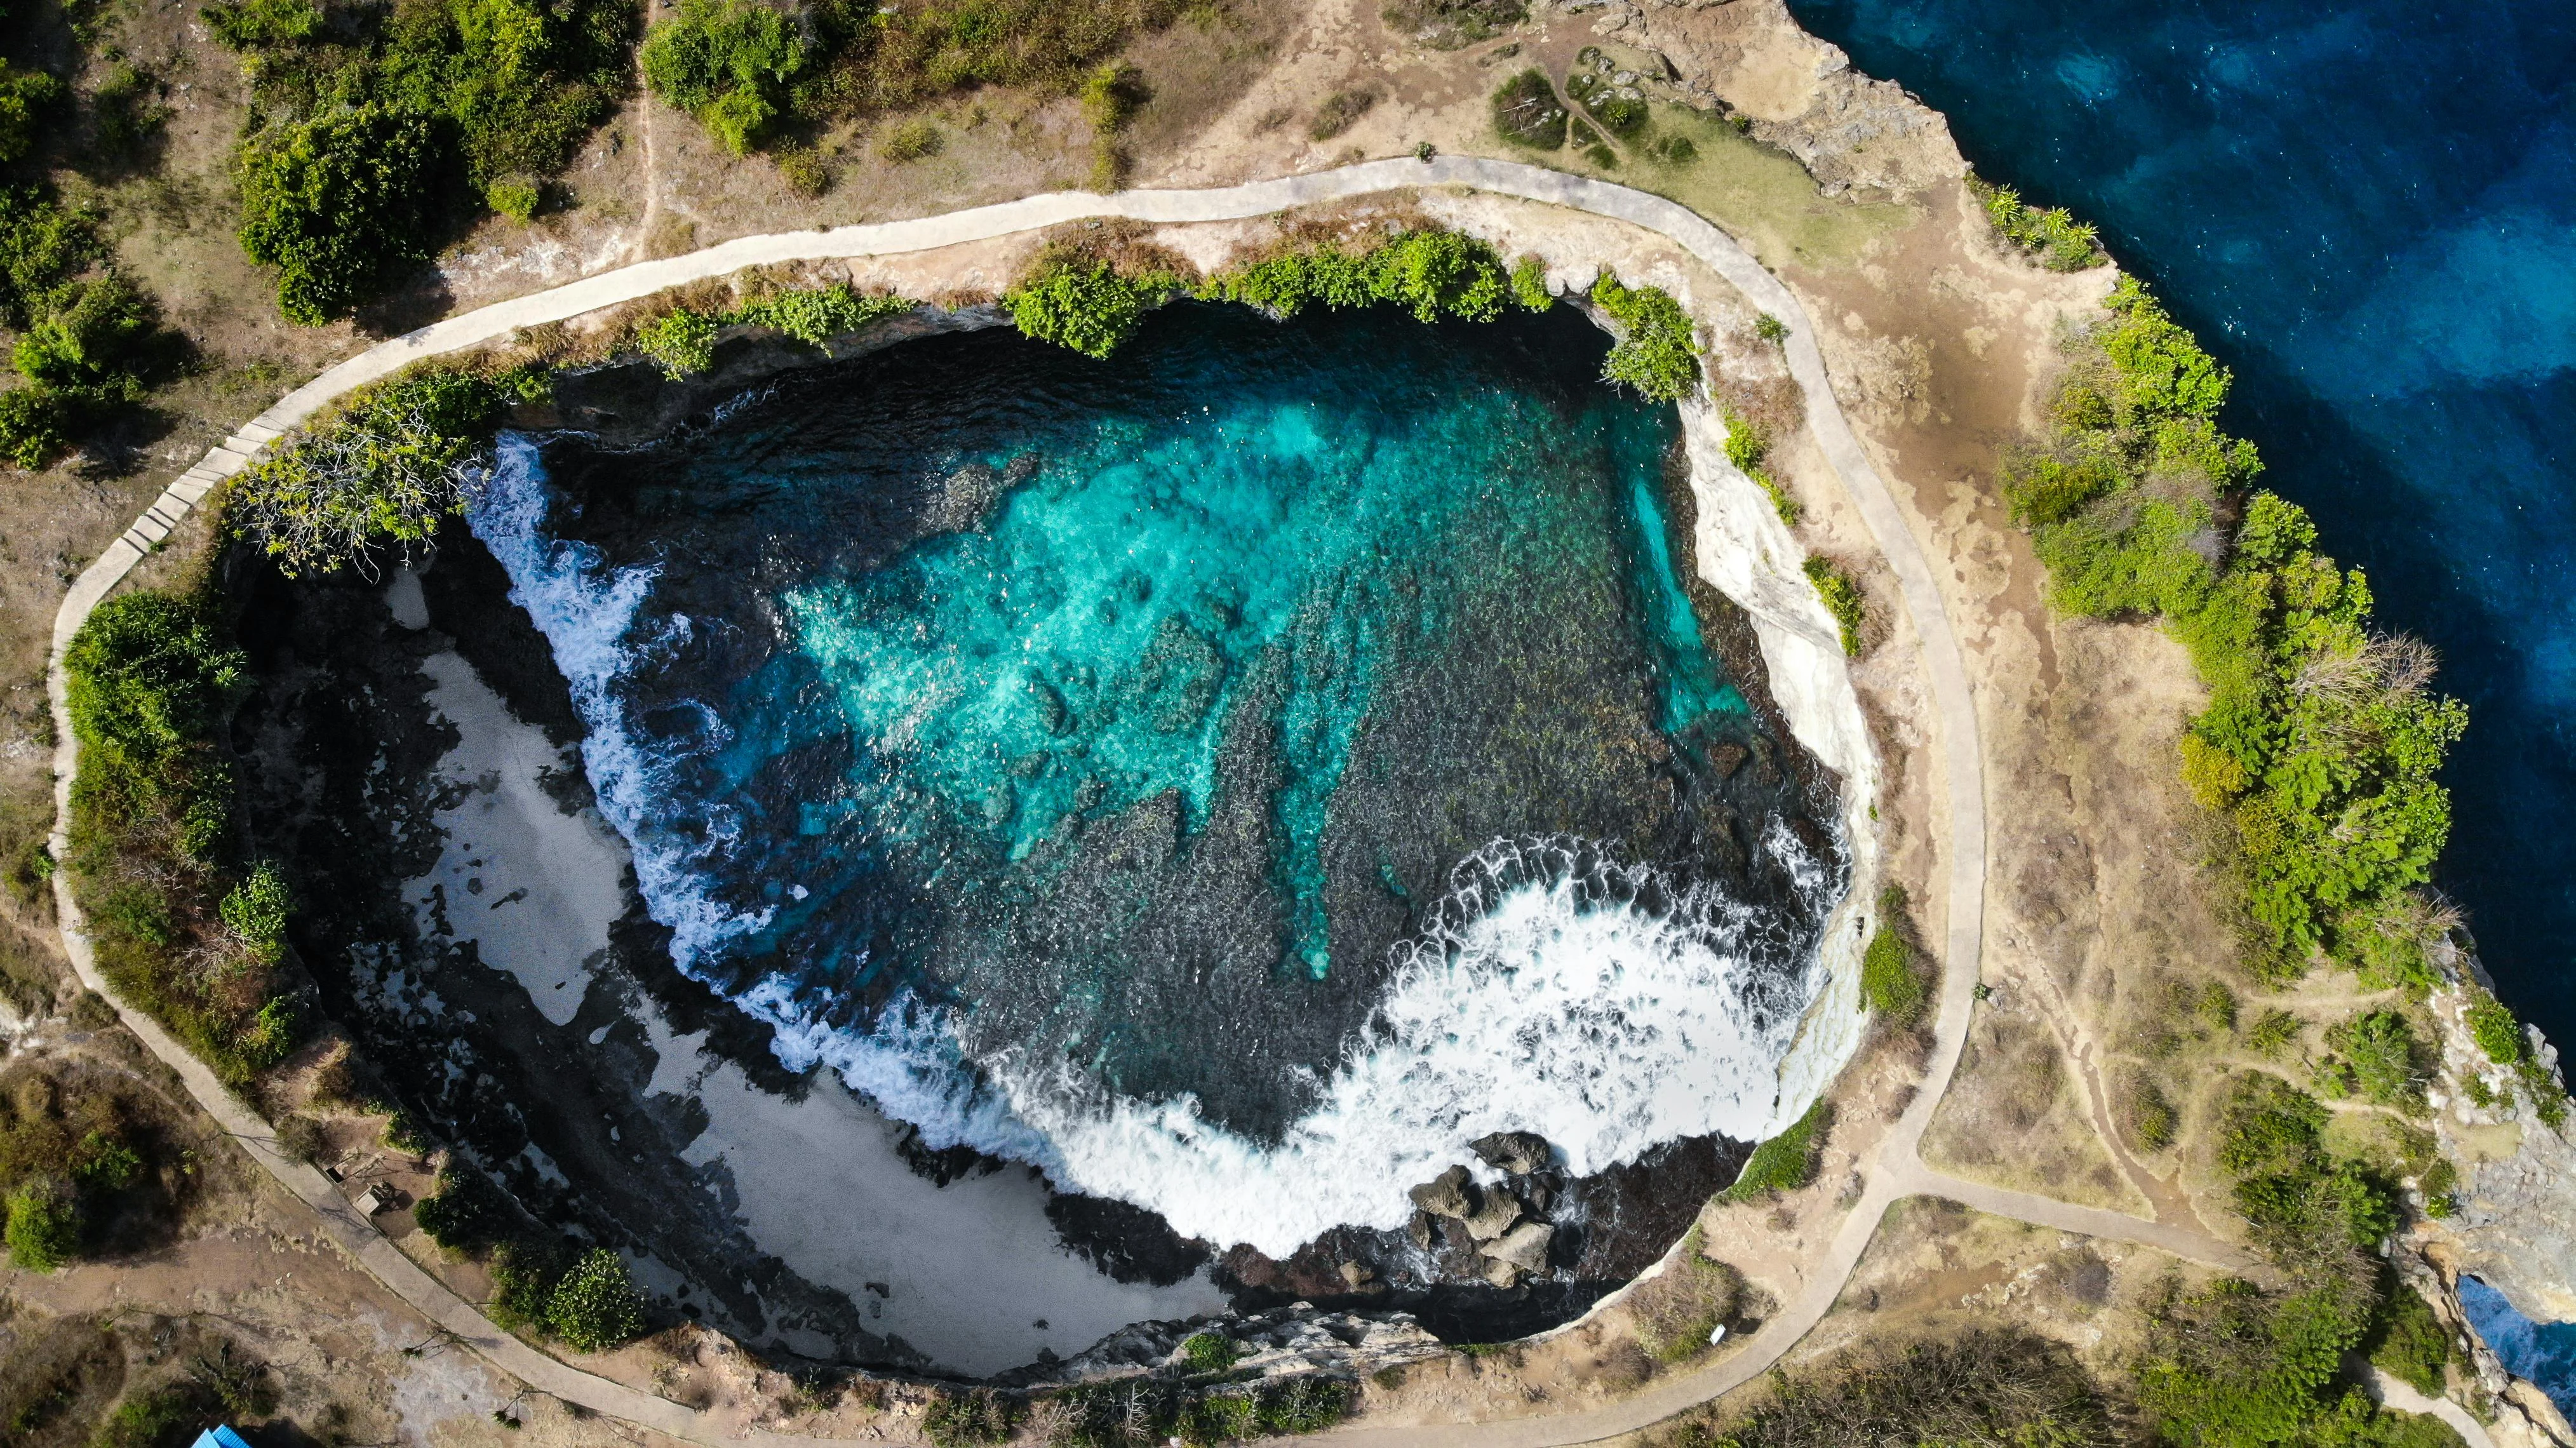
2516,1226
1748,57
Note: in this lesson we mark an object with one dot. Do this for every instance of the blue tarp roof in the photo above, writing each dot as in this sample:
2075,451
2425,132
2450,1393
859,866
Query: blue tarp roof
219,1436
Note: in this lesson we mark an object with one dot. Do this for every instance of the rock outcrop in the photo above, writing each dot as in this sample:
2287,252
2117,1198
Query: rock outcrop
1293,1341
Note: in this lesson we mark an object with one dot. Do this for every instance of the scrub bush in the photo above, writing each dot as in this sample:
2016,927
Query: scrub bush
1527,112
2053,237
2498,1034
256,910
682,342
369,128
963,1418
595,1306
1658,350
1842,599
1083,304
726,62
1209,1352
383,469
1678,1311
2407,1342
1746,449
1432,274
44,1225
815,315
1984,1386
341,205
1892,975
24,97
1592,85
1786,1162
1529,285
151,679
1339,112
2377,1058
468,1213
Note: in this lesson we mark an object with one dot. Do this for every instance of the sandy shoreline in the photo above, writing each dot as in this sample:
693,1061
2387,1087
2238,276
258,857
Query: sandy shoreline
971,1275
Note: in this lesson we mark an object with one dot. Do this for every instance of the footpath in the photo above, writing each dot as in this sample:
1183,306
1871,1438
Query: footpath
1897,1171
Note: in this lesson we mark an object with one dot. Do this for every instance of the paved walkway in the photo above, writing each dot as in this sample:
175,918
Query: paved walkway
1898,1171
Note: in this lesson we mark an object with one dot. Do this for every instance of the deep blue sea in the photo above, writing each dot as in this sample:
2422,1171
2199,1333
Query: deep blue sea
2368,209
1231,778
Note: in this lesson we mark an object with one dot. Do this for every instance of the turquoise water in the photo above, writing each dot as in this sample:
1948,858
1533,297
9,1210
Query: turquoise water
1221,777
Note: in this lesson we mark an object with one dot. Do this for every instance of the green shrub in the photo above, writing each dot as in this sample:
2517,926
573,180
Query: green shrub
1658,350
42,245
256,909
1786,1162
86,340
2148,1113
2381,1059
682,342
2054,237
1892,977
2498,1034
1984,1386
524,1275
1842,598
1111,96
910,141
1209,1352
1527,113
340,205
2320,739
2272,1030
962,1418
31,427
815,315
44,1228
468,1213
1771,329
1433,274
166,1417
383,469
2407,1342
24,96
1529,285
595,1306
1082,304
361,127
515,197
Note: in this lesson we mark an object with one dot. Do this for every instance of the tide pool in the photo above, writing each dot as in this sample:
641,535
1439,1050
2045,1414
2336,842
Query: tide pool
2368,209
1230,778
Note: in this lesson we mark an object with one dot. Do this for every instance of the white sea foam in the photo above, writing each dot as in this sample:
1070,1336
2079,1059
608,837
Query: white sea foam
1555,991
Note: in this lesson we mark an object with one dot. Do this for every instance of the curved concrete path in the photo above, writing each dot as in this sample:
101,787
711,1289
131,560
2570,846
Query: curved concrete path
1897,1172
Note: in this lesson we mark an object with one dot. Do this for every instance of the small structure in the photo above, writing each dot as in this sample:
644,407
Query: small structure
220,1436
370,1202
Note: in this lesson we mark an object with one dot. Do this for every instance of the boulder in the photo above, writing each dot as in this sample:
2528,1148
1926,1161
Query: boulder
1450,1194
1524,1246
1516,1152
1357,1275
1502,1274
1496,1217
1423,1230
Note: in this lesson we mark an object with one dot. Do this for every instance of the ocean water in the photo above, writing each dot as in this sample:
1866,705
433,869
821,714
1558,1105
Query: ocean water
1230,779
2545,1353
2368,209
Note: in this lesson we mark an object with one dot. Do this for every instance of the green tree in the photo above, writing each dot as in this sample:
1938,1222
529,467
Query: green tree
1658,349
385,470
44,1225
24,96
86,343
595,1306
726,62
341,205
